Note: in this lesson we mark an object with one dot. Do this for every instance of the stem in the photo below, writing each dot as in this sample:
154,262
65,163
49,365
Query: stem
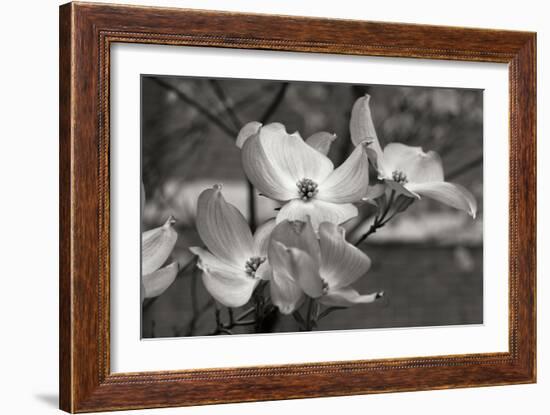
309,314
379,220
217,316
371,230
233,322
245,314
258,305
230,314
249,322
251,206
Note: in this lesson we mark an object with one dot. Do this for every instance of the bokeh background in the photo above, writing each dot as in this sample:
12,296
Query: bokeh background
428,260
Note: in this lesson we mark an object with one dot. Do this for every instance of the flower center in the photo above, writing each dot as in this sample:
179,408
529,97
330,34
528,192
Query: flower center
399,177
307,189
325,286
253,264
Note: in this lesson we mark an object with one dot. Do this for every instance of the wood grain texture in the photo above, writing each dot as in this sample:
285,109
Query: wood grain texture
86,33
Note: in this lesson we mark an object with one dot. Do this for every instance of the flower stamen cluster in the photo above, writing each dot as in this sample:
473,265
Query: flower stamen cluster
399,177
307,189
325,286
253,264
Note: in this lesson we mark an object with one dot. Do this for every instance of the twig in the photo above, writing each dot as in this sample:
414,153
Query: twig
226,103
245,322
186,98
233,322
242,103
245,313
379,220
465,167
275,103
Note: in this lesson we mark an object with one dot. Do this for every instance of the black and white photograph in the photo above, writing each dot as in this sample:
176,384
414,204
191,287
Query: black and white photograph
283,206
275,207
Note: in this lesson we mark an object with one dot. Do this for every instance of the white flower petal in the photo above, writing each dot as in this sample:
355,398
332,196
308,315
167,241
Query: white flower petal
286,294
362,126
297,234
228,284
262,237
223,229
321,141
265,271
377,161
427,167
266,176
375,191
450,194
247,131
305,270
419,167
289,154
341,262
349,182
347,297
401,189
318,211
157,282
156,246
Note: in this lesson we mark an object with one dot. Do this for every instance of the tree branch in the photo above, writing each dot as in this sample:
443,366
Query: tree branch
226,103
464,168
275,103
186,98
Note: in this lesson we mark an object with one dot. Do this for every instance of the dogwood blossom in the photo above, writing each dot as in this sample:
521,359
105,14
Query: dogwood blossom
406,169
156,246
323,268
298,174
235,261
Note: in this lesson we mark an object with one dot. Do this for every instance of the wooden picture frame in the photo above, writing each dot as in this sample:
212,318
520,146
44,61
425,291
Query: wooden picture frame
86,33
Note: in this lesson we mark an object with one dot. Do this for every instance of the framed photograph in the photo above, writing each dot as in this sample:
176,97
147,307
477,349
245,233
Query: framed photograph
260,207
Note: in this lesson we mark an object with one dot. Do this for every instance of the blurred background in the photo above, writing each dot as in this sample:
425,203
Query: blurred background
428,260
